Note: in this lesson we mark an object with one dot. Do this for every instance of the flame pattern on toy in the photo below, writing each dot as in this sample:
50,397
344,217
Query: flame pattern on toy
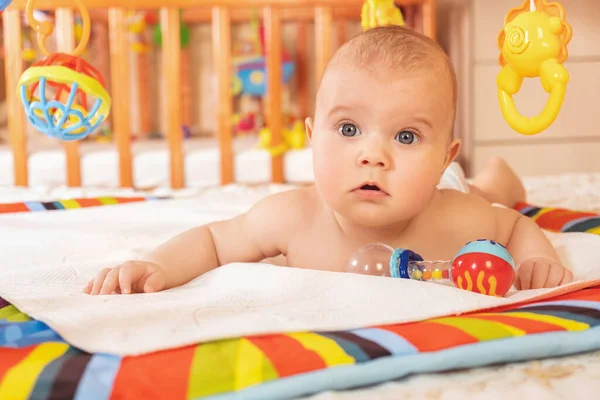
485,267
55,91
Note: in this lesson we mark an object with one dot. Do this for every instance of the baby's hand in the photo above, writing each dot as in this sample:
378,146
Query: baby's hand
130,277
536,273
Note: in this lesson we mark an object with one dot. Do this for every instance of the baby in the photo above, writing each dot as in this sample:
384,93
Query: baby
383,149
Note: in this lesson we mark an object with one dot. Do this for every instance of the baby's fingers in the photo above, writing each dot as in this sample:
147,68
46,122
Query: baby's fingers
111,282
99,281
555,275
132,276
155,282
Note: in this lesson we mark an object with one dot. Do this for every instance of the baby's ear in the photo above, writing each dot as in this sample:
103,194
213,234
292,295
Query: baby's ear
308,123
452,152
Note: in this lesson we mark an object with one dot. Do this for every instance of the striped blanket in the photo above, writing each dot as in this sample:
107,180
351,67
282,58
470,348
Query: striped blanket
35,363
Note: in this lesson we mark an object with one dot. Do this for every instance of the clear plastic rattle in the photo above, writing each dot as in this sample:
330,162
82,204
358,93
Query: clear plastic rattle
533,43
482,266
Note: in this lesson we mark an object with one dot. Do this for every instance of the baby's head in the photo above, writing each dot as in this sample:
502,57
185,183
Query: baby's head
384,117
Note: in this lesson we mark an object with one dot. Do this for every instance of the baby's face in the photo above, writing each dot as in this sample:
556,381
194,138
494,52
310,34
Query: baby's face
380,145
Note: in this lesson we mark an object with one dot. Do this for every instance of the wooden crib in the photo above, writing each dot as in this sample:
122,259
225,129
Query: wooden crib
221,14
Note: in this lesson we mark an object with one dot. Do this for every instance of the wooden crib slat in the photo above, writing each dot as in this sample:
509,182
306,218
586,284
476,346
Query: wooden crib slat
429,18
342,35
121,96
221,36
273,44
303,60
65,42
323,32
16,115
171,58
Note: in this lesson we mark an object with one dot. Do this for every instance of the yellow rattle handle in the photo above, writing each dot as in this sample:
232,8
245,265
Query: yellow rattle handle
44,28
554,79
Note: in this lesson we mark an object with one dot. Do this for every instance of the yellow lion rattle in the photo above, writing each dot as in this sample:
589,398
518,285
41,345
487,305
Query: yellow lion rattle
533,43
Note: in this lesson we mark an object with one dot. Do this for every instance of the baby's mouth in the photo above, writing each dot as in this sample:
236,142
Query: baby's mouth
371,189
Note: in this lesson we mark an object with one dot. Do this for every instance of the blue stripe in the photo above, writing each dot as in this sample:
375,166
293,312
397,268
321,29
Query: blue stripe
35,206
385,369
98,379
390,341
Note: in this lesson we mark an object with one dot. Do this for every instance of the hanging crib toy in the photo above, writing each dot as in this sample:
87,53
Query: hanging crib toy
533,43
56,90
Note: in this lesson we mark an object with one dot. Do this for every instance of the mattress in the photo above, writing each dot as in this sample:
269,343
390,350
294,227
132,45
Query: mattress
99,163
573,376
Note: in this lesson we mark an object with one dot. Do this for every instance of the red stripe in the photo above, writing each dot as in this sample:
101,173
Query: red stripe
527,325
287,355
554,220
11,357
591,294
89,202
430,336
154,376
129,199
13,208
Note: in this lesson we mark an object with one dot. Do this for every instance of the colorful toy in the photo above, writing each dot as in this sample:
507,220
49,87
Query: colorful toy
376,13
55,90
293,139
250,64
136,25
481,266
4,4
533,44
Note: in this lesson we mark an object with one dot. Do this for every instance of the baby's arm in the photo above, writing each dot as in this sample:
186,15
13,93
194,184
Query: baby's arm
537,262
260,233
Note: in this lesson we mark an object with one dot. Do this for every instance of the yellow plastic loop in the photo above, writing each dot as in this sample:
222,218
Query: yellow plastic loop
533,44
376,13
44,28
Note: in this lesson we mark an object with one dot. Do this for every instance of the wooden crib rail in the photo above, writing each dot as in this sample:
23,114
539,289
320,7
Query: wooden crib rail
159,4
222,14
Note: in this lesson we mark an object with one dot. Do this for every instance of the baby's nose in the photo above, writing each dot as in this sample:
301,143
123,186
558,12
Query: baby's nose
374,158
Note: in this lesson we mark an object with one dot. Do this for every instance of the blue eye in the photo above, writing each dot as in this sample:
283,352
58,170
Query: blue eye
349,130
407,137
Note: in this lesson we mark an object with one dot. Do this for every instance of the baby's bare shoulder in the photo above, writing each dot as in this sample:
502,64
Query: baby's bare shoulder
475,211
289,207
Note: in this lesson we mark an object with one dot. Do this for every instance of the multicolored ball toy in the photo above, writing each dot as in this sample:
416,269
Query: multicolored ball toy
482,266
56,90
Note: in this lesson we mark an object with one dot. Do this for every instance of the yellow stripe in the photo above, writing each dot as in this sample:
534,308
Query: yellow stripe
326,348
8,311
68,204
481,329
568,324
107,200
249,365
595,231
19,381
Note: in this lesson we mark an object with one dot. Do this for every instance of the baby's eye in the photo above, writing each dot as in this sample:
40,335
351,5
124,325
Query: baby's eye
407,137
349,130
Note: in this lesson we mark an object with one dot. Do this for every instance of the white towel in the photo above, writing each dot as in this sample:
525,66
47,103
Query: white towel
47,258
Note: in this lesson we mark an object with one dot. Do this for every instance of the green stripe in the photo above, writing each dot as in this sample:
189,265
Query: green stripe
213,368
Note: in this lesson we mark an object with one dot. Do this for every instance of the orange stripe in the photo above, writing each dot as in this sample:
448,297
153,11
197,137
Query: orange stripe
154,375
13,207
287,355
89,202
554,220
430,336
9,358
592,294
527,325
129,199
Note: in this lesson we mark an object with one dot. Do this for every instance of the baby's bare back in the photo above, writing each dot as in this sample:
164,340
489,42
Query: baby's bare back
317,241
